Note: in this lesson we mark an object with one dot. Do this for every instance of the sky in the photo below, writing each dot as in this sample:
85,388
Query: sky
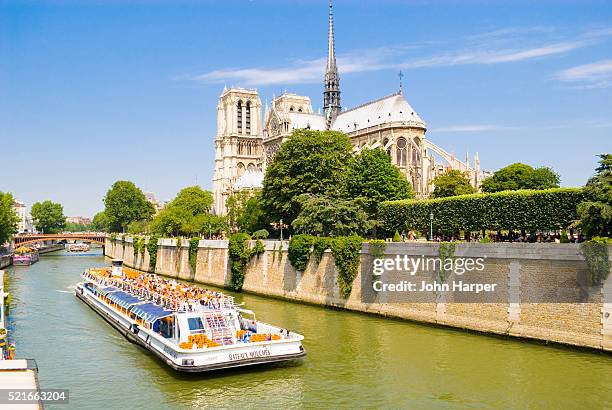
97,91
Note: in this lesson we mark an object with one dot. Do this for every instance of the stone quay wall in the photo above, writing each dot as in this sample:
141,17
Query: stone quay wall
521,269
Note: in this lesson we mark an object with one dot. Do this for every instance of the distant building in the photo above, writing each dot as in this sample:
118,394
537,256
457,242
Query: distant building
159,205
78,220
24,224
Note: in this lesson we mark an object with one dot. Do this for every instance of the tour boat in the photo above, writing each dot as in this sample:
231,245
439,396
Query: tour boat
25,256
78,247
190,328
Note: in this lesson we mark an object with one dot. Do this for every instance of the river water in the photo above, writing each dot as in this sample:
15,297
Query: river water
354,360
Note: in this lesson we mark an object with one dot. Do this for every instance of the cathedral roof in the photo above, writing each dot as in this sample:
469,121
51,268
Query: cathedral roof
393,108
301,120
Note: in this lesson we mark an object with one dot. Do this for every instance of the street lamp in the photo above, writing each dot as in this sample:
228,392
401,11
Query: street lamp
431,226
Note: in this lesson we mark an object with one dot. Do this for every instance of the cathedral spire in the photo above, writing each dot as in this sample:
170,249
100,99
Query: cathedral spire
331,95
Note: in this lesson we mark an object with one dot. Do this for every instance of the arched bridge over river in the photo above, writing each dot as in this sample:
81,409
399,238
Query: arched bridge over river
91,237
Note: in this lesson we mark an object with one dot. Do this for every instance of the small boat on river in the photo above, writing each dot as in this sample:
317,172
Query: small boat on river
78,247
25,256
190,328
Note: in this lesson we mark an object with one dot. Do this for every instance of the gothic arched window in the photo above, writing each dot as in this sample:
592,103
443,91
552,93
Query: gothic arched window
248,117
402,156
239,117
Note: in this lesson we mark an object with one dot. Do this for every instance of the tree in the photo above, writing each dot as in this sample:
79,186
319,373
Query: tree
100,222
245,211
313,162
188,214
73,227
520,176
8,218
324,216
596,211
451,183
124,203
543,178
374,178
48,216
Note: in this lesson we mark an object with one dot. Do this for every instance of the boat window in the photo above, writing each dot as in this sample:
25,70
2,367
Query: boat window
195,325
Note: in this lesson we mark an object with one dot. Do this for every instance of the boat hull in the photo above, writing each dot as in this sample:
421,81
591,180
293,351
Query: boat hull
226,358
25,260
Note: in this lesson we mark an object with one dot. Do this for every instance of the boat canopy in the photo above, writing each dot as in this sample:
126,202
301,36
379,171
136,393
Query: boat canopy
123,299
150,312
105,291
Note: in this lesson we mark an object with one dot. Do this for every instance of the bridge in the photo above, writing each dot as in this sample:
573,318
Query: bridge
91,237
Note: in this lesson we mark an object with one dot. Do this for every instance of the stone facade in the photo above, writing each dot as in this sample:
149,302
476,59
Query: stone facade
522,269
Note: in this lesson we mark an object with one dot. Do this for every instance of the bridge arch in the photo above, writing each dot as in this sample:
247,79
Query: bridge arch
24,240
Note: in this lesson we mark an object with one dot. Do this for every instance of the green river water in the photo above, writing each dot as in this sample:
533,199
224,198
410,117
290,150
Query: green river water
354,360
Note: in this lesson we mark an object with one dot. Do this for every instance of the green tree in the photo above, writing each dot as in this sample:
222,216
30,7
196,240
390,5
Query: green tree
374,178
313,162
543,178
520,176
8,218
72,227
139,227
124,203
188,214
245,211
48,216
100,222
324,216
596,211
451,183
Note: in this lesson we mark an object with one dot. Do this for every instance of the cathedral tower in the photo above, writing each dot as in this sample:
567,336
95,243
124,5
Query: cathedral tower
238,145
331,95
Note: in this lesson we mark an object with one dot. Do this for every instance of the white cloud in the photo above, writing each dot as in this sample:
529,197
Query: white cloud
593,75
496,47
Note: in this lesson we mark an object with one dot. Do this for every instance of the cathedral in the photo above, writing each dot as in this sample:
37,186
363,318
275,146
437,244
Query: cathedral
244,145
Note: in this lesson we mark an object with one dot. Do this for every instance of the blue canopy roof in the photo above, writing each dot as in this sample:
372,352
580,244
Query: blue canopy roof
150,312
105,291
123,299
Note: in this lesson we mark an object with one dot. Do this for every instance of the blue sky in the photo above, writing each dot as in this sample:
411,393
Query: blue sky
92,92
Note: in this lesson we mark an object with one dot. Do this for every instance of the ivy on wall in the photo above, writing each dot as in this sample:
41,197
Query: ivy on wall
377,249
240,254
595,253
193,253
179,247
346,250
138,245
152,249
319,246
446,252
299,250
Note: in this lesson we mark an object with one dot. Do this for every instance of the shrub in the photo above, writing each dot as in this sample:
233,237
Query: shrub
396,236
261,234
525,209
